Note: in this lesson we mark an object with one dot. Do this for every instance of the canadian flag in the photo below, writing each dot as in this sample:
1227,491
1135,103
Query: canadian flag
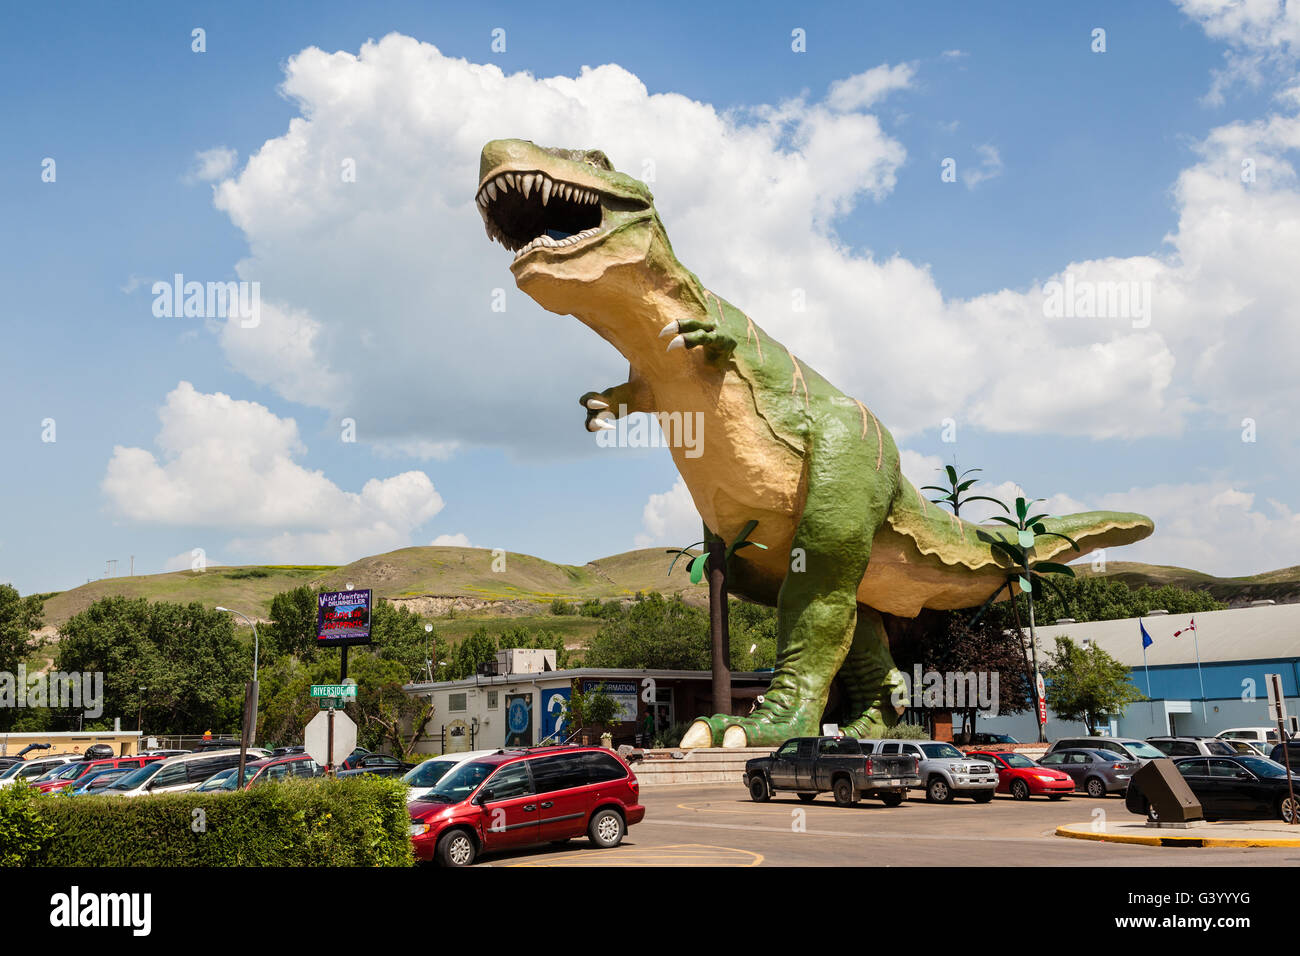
1190,627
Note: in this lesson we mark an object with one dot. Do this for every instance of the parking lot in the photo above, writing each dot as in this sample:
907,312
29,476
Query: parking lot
717,825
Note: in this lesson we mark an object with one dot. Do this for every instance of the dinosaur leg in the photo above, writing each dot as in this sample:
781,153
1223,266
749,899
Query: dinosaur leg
817,606
874,687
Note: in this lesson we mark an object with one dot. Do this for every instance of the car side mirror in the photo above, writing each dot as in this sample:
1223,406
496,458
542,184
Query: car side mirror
483,796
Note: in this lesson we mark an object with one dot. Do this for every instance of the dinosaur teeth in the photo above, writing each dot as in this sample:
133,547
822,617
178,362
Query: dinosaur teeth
528,184
503,184
546,190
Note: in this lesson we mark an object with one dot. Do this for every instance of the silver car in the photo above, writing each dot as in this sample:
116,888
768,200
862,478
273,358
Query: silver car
1098,772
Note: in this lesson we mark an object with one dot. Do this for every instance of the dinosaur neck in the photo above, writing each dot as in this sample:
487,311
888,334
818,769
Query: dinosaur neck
632,320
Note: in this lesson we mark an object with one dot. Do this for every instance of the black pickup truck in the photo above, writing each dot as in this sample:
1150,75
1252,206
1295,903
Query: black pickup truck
812,765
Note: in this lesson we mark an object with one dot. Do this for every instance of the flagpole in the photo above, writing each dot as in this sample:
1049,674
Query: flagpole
1196,640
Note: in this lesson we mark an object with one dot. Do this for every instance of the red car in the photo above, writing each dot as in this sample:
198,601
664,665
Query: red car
1023,778
69,774
518,798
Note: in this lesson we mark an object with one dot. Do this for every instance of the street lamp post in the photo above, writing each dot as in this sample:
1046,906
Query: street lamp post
139,718
250,699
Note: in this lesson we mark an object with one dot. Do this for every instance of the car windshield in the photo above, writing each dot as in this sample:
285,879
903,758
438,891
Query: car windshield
101,779
1262,766
1001,738
460,783
945,751
137,777
1141,748
11,772
1219,747
221,780
428,773
1109,756
1017,760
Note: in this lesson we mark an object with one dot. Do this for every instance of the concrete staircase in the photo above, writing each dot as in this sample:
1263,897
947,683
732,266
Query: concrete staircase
658,768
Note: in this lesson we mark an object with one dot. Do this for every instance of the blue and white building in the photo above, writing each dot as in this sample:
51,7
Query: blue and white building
1237,647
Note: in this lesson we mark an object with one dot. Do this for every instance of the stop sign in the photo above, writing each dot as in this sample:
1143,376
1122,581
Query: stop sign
316,738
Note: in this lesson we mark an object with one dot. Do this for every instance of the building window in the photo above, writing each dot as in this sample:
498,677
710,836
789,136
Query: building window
492,700
455,702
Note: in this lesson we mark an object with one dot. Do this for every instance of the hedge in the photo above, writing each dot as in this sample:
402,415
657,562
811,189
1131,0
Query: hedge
360,821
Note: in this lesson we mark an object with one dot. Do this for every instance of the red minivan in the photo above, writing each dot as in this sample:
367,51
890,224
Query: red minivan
518,798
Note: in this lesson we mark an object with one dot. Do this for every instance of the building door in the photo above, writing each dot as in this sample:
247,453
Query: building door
663,709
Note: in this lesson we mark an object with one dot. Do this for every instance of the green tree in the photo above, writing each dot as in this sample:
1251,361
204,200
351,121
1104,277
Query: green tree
19,617
1096,598
186,656
292,629
591,711
653,633
1087,683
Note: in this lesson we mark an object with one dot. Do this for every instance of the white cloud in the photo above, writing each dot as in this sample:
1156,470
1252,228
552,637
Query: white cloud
458,540
211,165
384,284
865,89
990,166
1262,38
670,519
228,464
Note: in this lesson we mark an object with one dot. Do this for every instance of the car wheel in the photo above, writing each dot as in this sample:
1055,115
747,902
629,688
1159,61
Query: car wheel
1095,787
456,849
845,793
892,799
1286,809
606,829
759,791
983,796
938,791
1019,790
807,797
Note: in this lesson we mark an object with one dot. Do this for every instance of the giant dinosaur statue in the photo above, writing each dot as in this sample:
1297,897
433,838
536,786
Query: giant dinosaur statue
848,537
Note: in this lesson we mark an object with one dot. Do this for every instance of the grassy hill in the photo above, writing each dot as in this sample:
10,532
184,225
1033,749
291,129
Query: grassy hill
429,580
460,584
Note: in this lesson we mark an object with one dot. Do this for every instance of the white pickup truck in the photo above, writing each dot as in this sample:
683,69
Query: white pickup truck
945,771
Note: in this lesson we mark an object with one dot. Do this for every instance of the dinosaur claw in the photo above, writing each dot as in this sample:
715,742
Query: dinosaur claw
678,342
595,404
670,329
601,425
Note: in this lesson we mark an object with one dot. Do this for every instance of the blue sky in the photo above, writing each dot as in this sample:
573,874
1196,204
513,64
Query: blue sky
1101,158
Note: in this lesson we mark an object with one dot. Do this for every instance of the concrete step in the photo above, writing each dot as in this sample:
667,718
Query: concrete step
659,768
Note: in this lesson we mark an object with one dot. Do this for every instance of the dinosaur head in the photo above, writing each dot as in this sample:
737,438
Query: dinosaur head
566,214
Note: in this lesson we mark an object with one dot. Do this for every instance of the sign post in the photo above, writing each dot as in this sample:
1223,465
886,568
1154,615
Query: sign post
1277,710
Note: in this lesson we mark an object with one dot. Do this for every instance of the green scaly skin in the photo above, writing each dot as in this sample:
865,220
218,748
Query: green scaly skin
813,466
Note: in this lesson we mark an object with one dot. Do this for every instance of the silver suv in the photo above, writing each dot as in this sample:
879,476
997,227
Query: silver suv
945,771
1193,746
1129,748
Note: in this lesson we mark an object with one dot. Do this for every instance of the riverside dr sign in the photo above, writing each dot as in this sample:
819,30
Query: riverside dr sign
342,618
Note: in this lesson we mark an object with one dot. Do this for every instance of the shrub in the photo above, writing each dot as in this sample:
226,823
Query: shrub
359,821
560,607
23,831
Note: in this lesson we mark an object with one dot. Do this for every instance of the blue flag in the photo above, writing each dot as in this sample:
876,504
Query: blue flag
1146,638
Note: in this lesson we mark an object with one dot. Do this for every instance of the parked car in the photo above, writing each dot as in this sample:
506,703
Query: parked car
164,753
258,772
95,780
378,762
1024,778
1292,754
1129,748
217,743
1264,735
945,772
173,774
34,769
1097,772
350,761
1245,787
517,798
71,773
992,740
812,765
1192,746
422,778
1248,748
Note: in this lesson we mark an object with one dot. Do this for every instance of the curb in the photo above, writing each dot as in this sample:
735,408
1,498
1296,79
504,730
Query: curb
1077,832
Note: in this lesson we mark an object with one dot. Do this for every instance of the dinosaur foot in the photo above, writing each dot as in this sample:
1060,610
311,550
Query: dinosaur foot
760,729
882,713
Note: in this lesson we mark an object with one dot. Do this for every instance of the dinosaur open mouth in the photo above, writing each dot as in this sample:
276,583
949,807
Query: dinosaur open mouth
526,211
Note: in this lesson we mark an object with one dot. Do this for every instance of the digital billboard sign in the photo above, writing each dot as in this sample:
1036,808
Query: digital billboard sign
342,617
